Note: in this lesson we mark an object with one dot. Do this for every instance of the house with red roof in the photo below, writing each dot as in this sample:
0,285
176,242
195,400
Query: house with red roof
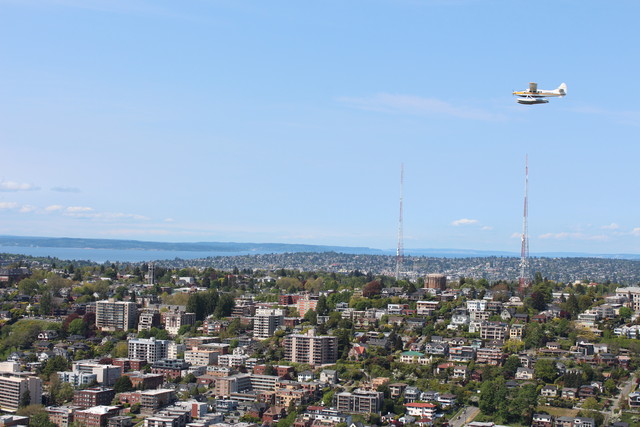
421,409
357,352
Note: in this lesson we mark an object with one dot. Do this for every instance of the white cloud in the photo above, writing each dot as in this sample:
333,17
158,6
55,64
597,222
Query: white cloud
487,227
8,205
16,186
76,209
612,226
464,221
107,216
27,208
169,220
54,208
415,105
16,206
636,231
516,235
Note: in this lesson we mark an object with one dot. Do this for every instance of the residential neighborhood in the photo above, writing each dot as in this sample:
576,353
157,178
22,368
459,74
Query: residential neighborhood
138,344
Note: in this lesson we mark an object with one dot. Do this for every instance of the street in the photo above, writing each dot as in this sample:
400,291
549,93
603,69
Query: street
466,415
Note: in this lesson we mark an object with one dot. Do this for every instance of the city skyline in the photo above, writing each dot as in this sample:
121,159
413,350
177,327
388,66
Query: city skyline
240,121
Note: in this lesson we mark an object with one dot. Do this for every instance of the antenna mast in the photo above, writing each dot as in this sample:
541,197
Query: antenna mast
400,251
525,275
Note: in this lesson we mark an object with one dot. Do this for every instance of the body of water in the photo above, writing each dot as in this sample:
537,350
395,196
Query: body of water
114,255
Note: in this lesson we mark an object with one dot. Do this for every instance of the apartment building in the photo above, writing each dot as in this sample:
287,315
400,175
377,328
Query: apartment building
143,381
170,368
174,319
97,416
149,349
201,357
477,305
112,315
494,331
14,385
61,416
225,386
152,400
106,375
244,308
266,321
232,360
632,296
516,331
148,319
264,382
490,356
306,303
174,349
77,379
311,348
426,308
359,401
95,396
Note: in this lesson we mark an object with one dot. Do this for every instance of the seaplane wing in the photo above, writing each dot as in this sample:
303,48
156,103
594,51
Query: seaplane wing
534,96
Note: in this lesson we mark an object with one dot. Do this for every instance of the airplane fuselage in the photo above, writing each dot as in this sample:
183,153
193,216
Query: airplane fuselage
539,93
534,96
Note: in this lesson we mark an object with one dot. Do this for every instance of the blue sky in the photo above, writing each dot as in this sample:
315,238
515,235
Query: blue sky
287,121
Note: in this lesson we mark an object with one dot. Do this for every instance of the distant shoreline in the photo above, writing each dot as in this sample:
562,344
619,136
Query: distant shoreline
147,251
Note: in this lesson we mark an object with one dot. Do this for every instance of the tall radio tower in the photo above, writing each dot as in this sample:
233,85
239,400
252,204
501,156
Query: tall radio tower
525,274
400,251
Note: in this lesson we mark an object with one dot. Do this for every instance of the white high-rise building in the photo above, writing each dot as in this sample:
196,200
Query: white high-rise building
15,386
114,315
266,321
149,349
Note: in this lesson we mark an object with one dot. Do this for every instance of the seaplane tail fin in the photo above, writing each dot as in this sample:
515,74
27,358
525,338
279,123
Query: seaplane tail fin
563,88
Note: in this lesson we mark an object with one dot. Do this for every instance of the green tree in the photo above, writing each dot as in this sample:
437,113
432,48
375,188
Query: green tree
248,418
511,365
534,336
28,286
625,312
25,399
524,403
321,307
610,387
120,350
538,301
41,419
123,384
513,346
571,306
591,403
545,370
311,317
55,364
46,303
77,327
225,306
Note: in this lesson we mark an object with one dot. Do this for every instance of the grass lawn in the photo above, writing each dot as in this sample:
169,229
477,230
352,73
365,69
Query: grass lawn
558,412
632,419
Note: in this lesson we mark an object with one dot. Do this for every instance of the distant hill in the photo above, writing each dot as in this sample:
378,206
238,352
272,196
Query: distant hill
276,248
231,247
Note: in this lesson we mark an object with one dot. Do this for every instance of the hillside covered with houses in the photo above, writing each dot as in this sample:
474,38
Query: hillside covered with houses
86,344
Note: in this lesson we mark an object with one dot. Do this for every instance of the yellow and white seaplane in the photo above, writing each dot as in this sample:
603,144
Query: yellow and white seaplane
534,96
